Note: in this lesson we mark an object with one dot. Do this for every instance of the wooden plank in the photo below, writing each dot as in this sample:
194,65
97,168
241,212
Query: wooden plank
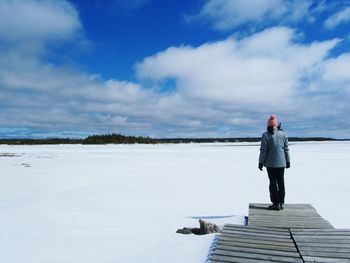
321,235
263,233
305,231
284,233
257,256
259,251
281,214
287,217
325,260
269,235
287,223
277,219
289,206
284,211
258,229
333,239
284,216
295,225
325,254
325,249
247,228
281,240
321,245
257,245
257,233
232,259
255,241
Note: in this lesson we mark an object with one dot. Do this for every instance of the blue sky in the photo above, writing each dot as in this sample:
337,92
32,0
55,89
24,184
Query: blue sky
195,68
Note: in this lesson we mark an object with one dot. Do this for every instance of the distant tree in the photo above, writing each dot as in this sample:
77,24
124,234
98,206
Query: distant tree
117,139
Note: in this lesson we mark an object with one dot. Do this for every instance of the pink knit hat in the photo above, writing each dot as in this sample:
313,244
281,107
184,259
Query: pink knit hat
272,121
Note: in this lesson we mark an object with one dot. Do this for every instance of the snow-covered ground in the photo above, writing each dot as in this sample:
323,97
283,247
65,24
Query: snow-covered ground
123,203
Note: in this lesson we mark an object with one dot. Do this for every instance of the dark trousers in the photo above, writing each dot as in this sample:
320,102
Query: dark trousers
276,187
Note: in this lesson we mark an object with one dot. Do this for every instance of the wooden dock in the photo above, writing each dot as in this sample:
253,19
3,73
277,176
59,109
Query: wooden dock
296,234
293,216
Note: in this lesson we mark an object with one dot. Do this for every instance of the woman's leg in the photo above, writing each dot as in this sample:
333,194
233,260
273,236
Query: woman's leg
281,186
273,188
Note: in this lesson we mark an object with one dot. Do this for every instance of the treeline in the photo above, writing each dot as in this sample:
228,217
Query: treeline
40,141
207,140
241,139
122,139
117,139
93,139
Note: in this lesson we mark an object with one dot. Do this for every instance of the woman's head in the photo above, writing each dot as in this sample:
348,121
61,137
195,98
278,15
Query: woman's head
272,121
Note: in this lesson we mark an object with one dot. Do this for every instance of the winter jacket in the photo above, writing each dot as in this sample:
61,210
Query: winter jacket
274,151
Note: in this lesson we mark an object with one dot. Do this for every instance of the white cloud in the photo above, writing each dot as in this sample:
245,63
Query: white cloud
39,95
335,72
34,20
225,15
237,82
261,70
338,18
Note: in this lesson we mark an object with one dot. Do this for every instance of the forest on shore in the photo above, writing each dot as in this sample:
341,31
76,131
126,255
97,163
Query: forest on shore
115,138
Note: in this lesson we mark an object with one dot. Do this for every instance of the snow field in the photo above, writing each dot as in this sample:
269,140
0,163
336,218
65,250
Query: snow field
123,203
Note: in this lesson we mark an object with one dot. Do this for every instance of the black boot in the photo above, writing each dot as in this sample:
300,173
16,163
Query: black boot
281,206
275,207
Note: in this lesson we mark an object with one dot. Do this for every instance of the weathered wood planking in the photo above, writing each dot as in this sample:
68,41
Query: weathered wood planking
323,245
293,216
245,244
296,234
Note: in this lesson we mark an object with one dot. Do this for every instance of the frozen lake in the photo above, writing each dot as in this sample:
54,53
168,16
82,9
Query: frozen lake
123,203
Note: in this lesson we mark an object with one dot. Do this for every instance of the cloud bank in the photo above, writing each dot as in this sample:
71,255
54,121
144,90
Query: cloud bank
239,72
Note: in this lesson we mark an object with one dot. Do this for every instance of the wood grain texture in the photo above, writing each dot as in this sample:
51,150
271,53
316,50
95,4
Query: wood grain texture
296,234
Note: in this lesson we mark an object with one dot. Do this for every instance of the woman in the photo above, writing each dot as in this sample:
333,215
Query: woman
274,155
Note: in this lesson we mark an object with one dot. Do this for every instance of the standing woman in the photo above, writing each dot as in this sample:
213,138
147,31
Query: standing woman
274,155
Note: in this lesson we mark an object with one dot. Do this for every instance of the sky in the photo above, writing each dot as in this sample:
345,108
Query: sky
184,68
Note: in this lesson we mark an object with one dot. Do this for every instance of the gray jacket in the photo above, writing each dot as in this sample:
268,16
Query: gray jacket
274,151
